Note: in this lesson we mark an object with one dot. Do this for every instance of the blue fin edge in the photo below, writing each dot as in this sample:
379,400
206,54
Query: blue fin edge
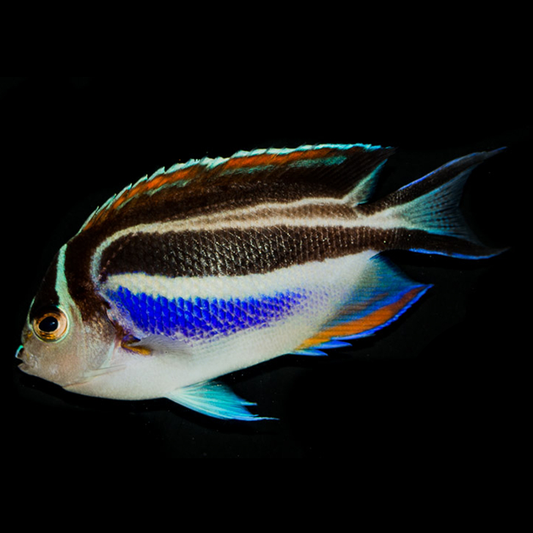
317,350
424,288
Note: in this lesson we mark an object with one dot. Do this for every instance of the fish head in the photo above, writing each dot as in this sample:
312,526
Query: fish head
60,343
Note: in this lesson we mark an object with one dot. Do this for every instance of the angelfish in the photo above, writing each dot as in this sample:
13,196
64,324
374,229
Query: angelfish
216,265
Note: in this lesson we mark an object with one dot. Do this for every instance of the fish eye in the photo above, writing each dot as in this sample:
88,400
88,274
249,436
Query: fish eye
51,324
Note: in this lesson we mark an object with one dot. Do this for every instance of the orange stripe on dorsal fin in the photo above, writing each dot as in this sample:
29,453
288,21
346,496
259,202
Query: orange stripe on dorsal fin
276,157
325,170
178,175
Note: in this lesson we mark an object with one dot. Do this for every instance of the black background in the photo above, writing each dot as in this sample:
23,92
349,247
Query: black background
447,378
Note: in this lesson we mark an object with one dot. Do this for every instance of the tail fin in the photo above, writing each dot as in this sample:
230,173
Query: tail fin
425,214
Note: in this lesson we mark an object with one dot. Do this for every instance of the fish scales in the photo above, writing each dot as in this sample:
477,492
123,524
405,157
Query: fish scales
232,252
219,264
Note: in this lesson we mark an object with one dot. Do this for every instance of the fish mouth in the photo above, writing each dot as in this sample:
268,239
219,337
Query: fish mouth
19,354
24,359
27,362
24,367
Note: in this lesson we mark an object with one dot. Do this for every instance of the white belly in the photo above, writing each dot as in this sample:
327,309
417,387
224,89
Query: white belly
326,286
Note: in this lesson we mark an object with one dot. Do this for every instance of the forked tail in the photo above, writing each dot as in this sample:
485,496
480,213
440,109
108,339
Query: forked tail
424,215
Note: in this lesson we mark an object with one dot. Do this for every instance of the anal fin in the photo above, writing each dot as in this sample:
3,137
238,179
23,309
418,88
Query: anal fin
382,295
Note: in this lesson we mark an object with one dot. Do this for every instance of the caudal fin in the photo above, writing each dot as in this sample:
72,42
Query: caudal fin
425,214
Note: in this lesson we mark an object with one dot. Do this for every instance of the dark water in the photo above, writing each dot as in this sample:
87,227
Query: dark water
448,376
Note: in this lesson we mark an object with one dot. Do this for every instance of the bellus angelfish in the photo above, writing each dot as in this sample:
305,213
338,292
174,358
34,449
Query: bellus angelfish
219,264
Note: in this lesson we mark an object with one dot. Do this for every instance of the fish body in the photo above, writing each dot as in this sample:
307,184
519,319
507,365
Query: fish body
216,265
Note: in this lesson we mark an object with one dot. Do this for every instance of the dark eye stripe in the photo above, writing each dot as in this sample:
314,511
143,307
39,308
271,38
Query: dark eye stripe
46,295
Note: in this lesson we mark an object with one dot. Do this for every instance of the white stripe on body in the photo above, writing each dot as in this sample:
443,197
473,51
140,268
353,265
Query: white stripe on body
308,276
152,377
323,294
257,216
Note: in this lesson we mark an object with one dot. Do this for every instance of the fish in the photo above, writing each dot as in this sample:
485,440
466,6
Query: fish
219,264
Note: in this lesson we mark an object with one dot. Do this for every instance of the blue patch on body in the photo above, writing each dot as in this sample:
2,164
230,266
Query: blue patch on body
202,317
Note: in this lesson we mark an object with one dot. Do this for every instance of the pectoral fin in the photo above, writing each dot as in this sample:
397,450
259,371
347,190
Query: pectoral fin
155,344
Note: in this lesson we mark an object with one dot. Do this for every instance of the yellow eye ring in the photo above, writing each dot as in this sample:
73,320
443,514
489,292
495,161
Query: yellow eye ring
51,325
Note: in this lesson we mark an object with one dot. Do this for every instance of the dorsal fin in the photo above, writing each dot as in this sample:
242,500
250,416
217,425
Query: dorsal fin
331,170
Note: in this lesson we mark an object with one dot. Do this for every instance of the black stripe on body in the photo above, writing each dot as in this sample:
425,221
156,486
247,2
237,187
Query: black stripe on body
233,251
199,191
237,252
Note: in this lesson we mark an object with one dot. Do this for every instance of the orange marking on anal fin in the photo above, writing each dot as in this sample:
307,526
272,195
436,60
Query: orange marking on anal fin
373,320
